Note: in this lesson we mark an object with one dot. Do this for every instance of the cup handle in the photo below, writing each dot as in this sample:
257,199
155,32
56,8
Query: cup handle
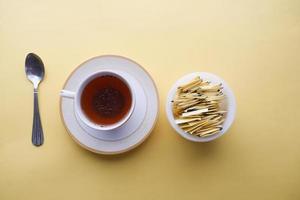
67,94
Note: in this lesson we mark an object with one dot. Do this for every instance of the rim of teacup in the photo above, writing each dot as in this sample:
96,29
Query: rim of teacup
82,116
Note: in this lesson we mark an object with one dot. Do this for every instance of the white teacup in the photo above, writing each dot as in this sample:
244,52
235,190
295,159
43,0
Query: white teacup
79,112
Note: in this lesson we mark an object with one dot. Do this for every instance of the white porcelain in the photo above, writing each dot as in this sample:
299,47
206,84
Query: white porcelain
139,124
76,95
228,104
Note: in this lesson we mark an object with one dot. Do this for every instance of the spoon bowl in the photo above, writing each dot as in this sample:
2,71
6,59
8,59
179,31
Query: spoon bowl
34,68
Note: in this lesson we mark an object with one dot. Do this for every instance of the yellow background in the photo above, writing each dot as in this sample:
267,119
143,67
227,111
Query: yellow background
254,45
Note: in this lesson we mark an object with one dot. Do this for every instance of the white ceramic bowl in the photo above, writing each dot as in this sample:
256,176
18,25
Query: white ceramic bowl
227,104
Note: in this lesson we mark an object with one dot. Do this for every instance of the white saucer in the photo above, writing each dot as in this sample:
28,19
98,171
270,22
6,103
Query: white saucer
228,104
139,125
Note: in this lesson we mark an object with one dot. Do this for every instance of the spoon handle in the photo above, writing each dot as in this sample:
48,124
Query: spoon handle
37,130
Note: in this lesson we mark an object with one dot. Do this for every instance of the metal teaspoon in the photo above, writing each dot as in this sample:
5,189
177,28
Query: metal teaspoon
35,72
